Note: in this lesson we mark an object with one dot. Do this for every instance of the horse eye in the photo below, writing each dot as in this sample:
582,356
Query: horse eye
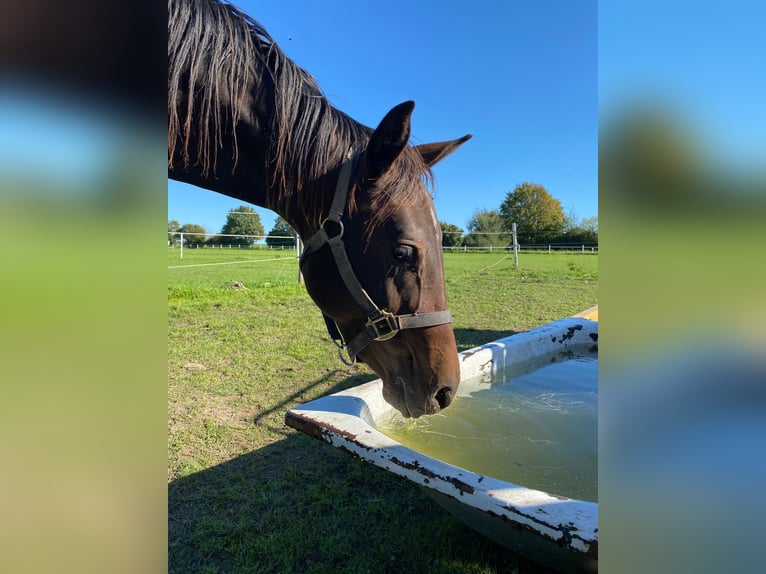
402,253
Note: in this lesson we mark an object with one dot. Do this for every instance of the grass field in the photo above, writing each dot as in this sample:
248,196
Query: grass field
248,494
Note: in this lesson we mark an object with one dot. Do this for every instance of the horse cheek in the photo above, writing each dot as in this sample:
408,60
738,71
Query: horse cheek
404,296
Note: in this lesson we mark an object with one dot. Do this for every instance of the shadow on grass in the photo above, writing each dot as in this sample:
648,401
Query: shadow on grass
300,505
469,338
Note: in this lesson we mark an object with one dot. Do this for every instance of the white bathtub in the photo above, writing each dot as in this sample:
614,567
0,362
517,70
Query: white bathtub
558,532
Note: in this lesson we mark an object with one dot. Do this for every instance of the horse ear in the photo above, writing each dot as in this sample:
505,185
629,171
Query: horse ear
437,151
389,139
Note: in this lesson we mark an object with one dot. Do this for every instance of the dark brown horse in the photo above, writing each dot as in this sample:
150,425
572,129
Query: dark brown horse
245,121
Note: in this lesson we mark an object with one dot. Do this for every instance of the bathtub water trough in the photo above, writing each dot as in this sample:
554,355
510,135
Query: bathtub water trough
534,520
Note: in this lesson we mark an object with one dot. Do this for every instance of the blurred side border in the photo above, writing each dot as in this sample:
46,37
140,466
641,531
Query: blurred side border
83,338
682,386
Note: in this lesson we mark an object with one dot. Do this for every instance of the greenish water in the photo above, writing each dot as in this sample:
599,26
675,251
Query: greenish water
538,430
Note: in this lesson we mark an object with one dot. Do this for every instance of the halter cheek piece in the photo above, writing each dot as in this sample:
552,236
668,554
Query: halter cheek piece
381,324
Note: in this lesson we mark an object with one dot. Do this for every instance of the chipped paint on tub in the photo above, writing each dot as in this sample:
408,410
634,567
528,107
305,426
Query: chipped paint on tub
553,530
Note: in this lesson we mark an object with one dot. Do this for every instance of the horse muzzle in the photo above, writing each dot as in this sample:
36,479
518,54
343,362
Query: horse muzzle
420,370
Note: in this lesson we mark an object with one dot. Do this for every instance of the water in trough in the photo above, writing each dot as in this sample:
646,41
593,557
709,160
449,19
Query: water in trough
537,429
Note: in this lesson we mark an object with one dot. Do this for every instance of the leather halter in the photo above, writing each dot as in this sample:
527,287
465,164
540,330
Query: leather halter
381,325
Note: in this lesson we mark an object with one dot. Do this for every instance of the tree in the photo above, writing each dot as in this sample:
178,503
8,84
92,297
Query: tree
590,224
241,222
452,235
538,215
571,221
197,233
586,231
576,231
485,229
276,237
173,226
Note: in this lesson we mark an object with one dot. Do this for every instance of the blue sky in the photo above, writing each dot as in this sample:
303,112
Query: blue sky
520,76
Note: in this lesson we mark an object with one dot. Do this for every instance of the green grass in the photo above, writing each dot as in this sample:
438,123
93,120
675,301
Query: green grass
247,493
491,298
215,267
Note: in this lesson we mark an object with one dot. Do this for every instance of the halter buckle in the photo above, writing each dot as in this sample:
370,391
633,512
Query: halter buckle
382,327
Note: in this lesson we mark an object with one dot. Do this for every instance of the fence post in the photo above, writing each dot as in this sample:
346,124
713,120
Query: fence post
515,245
182,246
298,253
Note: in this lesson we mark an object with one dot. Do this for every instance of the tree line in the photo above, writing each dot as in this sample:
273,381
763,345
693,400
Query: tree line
539,220
241,225
538,216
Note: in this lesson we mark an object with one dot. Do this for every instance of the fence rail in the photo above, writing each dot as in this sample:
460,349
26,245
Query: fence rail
206,241
183,243
550,248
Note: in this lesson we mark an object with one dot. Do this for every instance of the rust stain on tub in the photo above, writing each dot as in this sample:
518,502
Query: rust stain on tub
462,487
466,354
568,335
569,533
318,429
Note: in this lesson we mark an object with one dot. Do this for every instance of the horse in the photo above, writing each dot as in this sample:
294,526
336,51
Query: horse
246,121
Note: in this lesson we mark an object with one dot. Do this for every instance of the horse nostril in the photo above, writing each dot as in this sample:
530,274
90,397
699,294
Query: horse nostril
443,397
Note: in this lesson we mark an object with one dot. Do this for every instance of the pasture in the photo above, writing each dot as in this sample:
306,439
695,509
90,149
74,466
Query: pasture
248,494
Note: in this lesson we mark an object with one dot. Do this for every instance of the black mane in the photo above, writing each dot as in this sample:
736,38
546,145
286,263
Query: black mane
227,60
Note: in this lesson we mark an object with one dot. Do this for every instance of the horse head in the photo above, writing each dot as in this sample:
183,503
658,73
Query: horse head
375,268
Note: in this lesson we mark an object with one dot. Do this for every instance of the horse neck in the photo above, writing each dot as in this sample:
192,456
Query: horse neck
305,207
293,173
301,181
239,170
249,179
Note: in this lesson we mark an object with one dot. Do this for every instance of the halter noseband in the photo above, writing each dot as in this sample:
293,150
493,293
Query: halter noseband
381,324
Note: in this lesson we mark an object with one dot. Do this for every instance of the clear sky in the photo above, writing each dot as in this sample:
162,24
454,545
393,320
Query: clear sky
520,76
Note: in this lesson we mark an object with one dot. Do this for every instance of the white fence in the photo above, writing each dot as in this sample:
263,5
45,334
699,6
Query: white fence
585,248
550,248
208,242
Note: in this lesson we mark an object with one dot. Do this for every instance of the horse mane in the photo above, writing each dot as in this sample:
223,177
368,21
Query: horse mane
210,56
219,61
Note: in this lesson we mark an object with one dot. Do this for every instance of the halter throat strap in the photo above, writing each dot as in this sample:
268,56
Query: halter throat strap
381,325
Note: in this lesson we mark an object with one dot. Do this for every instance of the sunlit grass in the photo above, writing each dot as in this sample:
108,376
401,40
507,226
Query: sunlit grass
248,494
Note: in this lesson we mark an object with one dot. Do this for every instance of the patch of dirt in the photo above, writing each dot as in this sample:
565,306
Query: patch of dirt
226,411
194,367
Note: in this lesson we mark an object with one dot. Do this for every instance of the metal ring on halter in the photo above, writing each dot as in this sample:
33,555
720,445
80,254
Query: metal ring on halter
336,222
351,361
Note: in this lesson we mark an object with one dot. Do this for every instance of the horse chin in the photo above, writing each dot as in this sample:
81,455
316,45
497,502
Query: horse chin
393,394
